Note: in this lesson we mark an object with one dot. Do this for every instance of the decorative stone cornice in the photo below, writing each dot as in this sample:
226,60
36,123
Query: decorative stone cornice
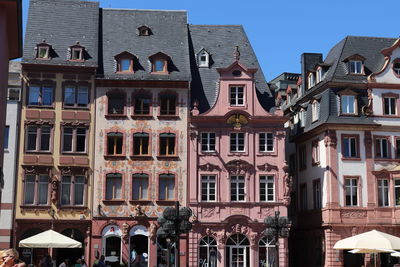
239,166
209,167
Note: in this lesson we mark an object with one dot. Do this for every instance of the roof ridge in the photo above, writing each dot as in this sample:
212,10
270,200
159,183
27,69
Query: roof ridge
217,25
370,37
68,1
146,10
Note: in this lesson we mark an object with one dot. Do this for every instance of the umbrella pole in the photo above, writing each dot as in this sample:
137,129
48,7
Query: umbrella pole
375,254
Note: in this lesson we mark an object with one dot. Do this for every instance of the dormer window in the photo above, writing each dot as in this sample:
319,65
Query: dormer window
43,50
125,62
203,59
144,31
311,80
355,66
348,102
396,66
159,63
315,111
320,73
236,96
77,52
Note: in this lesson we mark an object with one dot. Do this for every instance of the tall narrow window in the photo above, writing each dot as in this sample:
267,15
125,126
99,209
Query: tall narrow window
315,111
142,105
397,192
267,188
266,142
348,104
29,192
317,194
383,192
167,144
350,147
303,197
43,189
236,95
267,252
208,188
168,105
355,66
351,189
66,182
396,67
79,190
141,144
207,142
382,148
311,80
113,186
208,252
6,136
166,187
140,184
237,188
397,148
302,157
389,104
125,65
114,144
43,52
315,152
237,142
36,189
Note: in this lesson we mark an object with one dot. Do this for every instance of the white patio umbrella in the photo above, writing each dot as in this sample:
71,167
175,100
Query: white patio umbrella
395,254
49,239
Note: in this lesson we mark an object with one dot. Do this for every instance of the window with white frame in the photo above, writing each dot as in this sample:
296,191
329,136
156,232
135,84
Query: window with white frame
397,192
208,188
302,118
36,189
236,95
114,186
140,186
208,142
315,110
74,139
383,192
317,194
311,80
208,252
351,191
389,105
14,94
320,73
237,142
38,138
203,59
166,189
266,142
267,188
72,190
382,148
350,147
348,104
237,188
355,66
315,152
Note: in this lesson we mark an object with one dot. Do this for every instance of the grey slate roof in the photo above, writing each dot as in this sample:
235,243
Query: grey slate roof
118,33
220,42
61,23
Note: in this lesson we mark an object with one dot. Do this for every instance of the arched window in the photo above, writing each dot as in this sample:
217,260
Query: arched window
266,252
140,184
208,252
238,251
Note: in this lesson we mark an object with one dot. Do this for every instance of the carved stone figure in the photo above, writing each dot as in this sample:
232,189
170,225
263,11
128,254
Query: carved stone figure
288,185
125,232
54,189
153,231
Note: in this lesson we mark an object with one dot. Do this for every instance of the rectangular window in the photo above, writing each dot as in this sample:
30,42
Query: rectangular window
351,190
66,191
382,148
38,138
237,188
36,189
167,144
302,157
168,105
142,105
315,152
348,104
356,66
350,147
397,148
208,186
29,192
159,66
43,189
47,96
302,118
116,103
79,190
397,192
167,187
208,142
113,186
237,142
14,94
266,142
140,186
389,105
267,188
315,111
125,65
141,144
303,197
76,54
114,144
383,192
74,139
317,194
6,136
237,95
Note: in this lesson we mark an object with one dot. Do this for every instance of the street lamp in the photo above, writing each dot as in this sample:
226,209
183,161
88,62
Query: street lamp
277,226
173,223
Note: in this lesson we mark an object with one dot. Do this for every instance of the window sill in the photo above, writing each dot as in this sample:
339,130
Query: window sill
166,202
209,153
35,206
72,207
351,159
261,154
114,157
165,157
39,106
349,115
142,157
114,202
168,117
160,72
142,116
140,201
125,72
74,153
39,152
115,116
75,107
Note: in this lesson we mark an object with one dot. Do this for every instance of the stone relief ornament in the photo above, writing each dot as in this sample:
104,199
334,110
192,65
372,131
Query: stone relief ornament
267,167
153,231
208,212
138,212
125,232
221,239
54,189
353,214
209,167
239,166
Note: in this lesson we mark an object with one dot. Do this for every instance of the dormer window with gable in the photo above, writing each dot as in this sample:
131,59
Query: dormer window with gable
320,74
144,31
125,62
396,67
315,111
348,102
355,64
77,52
203,59
311,80
159,63
236,95
43,50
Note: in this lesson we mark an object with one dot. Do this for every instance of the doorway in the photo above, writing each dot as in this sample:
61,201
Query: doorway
139,243
113,251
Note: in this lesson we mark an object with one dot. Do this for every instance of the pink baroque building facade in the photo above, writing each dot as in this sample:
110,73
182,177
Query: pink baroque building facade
237,160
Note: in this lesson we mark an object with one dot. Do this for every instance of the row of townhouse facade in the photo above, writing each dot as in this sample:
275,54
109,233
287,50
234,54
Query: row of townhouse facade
125,112
345,155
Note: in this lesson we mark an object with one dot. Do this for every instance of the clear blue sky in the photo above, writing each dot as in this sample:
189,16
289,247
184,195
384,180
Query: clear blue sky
280,31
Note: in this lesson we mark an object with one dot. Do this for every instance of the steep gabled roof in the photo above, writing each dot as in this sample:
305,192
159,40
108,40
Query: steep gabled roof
61,23
168,35
220,42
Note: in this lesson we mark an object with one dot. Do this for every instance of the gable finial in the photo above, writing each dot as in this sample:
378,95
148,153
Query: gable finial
236,53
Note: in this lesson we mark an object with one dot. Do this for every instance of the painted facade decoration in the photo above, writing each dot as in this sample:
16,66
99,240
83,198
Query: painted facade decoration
346,135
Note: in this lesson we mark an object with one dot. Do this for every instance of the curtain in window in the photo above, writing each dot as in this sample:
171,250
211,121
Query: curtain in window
29,194
83,96
32,134
47,96
69,96
66,190
79,190
167,187
34,94
45,138
140,186
43,189
114,184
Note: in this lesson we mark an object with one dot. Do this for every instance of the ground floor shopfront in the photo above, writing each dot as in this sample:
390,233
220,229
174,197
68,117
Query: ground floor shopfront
117,238
78,230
